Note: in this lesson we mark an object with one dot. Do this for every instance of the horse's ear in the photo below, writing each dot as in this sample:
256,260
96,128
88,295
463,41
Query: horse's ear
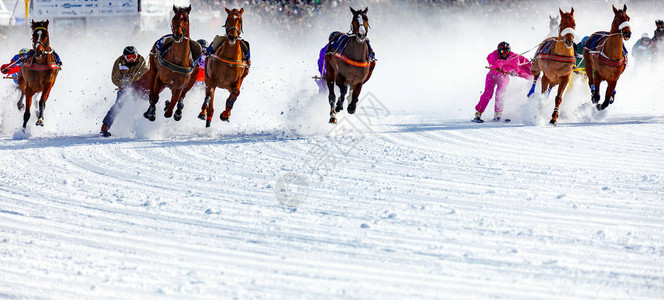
353,11
33,22
572,12
188,9
615,11
241,10
175,9
46,24
366,9
228,11
625,8
561,12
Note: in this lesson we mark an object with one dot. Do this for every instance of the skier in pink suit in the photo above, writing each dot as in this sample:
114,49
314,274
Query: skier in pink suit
502,64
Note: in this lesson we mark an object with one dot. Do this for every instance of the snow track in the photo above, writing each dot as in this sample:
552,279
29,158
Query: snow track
421,204
441,209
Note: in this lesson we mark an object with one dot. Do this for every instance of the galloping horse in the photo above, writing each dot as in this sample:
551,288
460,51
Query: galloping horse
606,57
555,57
226,67
349,61
39,71
174,64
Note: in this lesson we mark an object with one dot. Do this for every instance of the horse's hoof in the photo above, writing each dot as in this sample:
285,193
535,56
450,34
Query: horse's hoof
150,117
178,115
553,122
202,115
599,107
167,115
167,104
40,122
207,123
224,116
20,105
333,120
351,109
339,108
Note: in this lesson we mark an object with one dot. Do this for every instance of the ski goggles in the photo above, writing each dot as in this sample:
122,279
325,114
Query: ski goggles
131,57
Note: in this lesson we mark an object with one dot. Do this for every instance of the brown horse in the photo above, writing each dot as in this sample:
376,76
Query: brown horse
226,67
39,71
174,66
349,62
555,57
606,58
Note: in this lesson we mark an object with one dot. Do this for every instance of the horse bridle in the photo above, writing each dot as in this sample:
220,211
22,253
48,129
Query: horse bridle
184,30
39,31
360,25
238,30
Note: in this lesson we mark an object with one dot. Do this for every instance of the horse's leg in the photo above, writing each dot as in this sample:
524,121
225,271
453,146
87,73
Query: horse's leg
230,101
42,105
545,84
535,70
19,104
343,88
180,105
594,89
207,111
559,99
610,94
355,96
592,77
28,102
174,101
155,88
330,76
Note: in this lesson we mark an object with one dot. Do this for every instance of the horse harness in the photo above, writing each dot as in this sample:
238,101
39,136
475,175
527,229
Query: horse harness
602,57
343,39
236,63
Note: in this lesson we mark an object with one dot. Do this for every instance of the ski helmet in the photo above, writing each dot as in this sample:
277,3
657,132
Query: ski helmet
129,50
203,43
23,51
130,54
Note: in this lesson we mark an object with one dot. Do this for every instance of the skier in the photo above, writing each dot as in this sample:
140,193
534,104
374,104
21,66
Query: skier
128,69
201,71
642,49
502,64
13,68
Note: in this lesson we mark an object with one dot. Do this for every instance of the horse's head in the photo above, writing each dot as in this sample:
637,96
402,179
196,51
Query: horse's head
233,24
621,23
554,24
360,24
40,40
659,32
180,23
567,27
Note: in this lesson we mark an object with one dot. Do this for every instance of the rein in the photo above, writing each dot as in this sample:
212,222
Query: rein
41,67
359,64
175,68
230,62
